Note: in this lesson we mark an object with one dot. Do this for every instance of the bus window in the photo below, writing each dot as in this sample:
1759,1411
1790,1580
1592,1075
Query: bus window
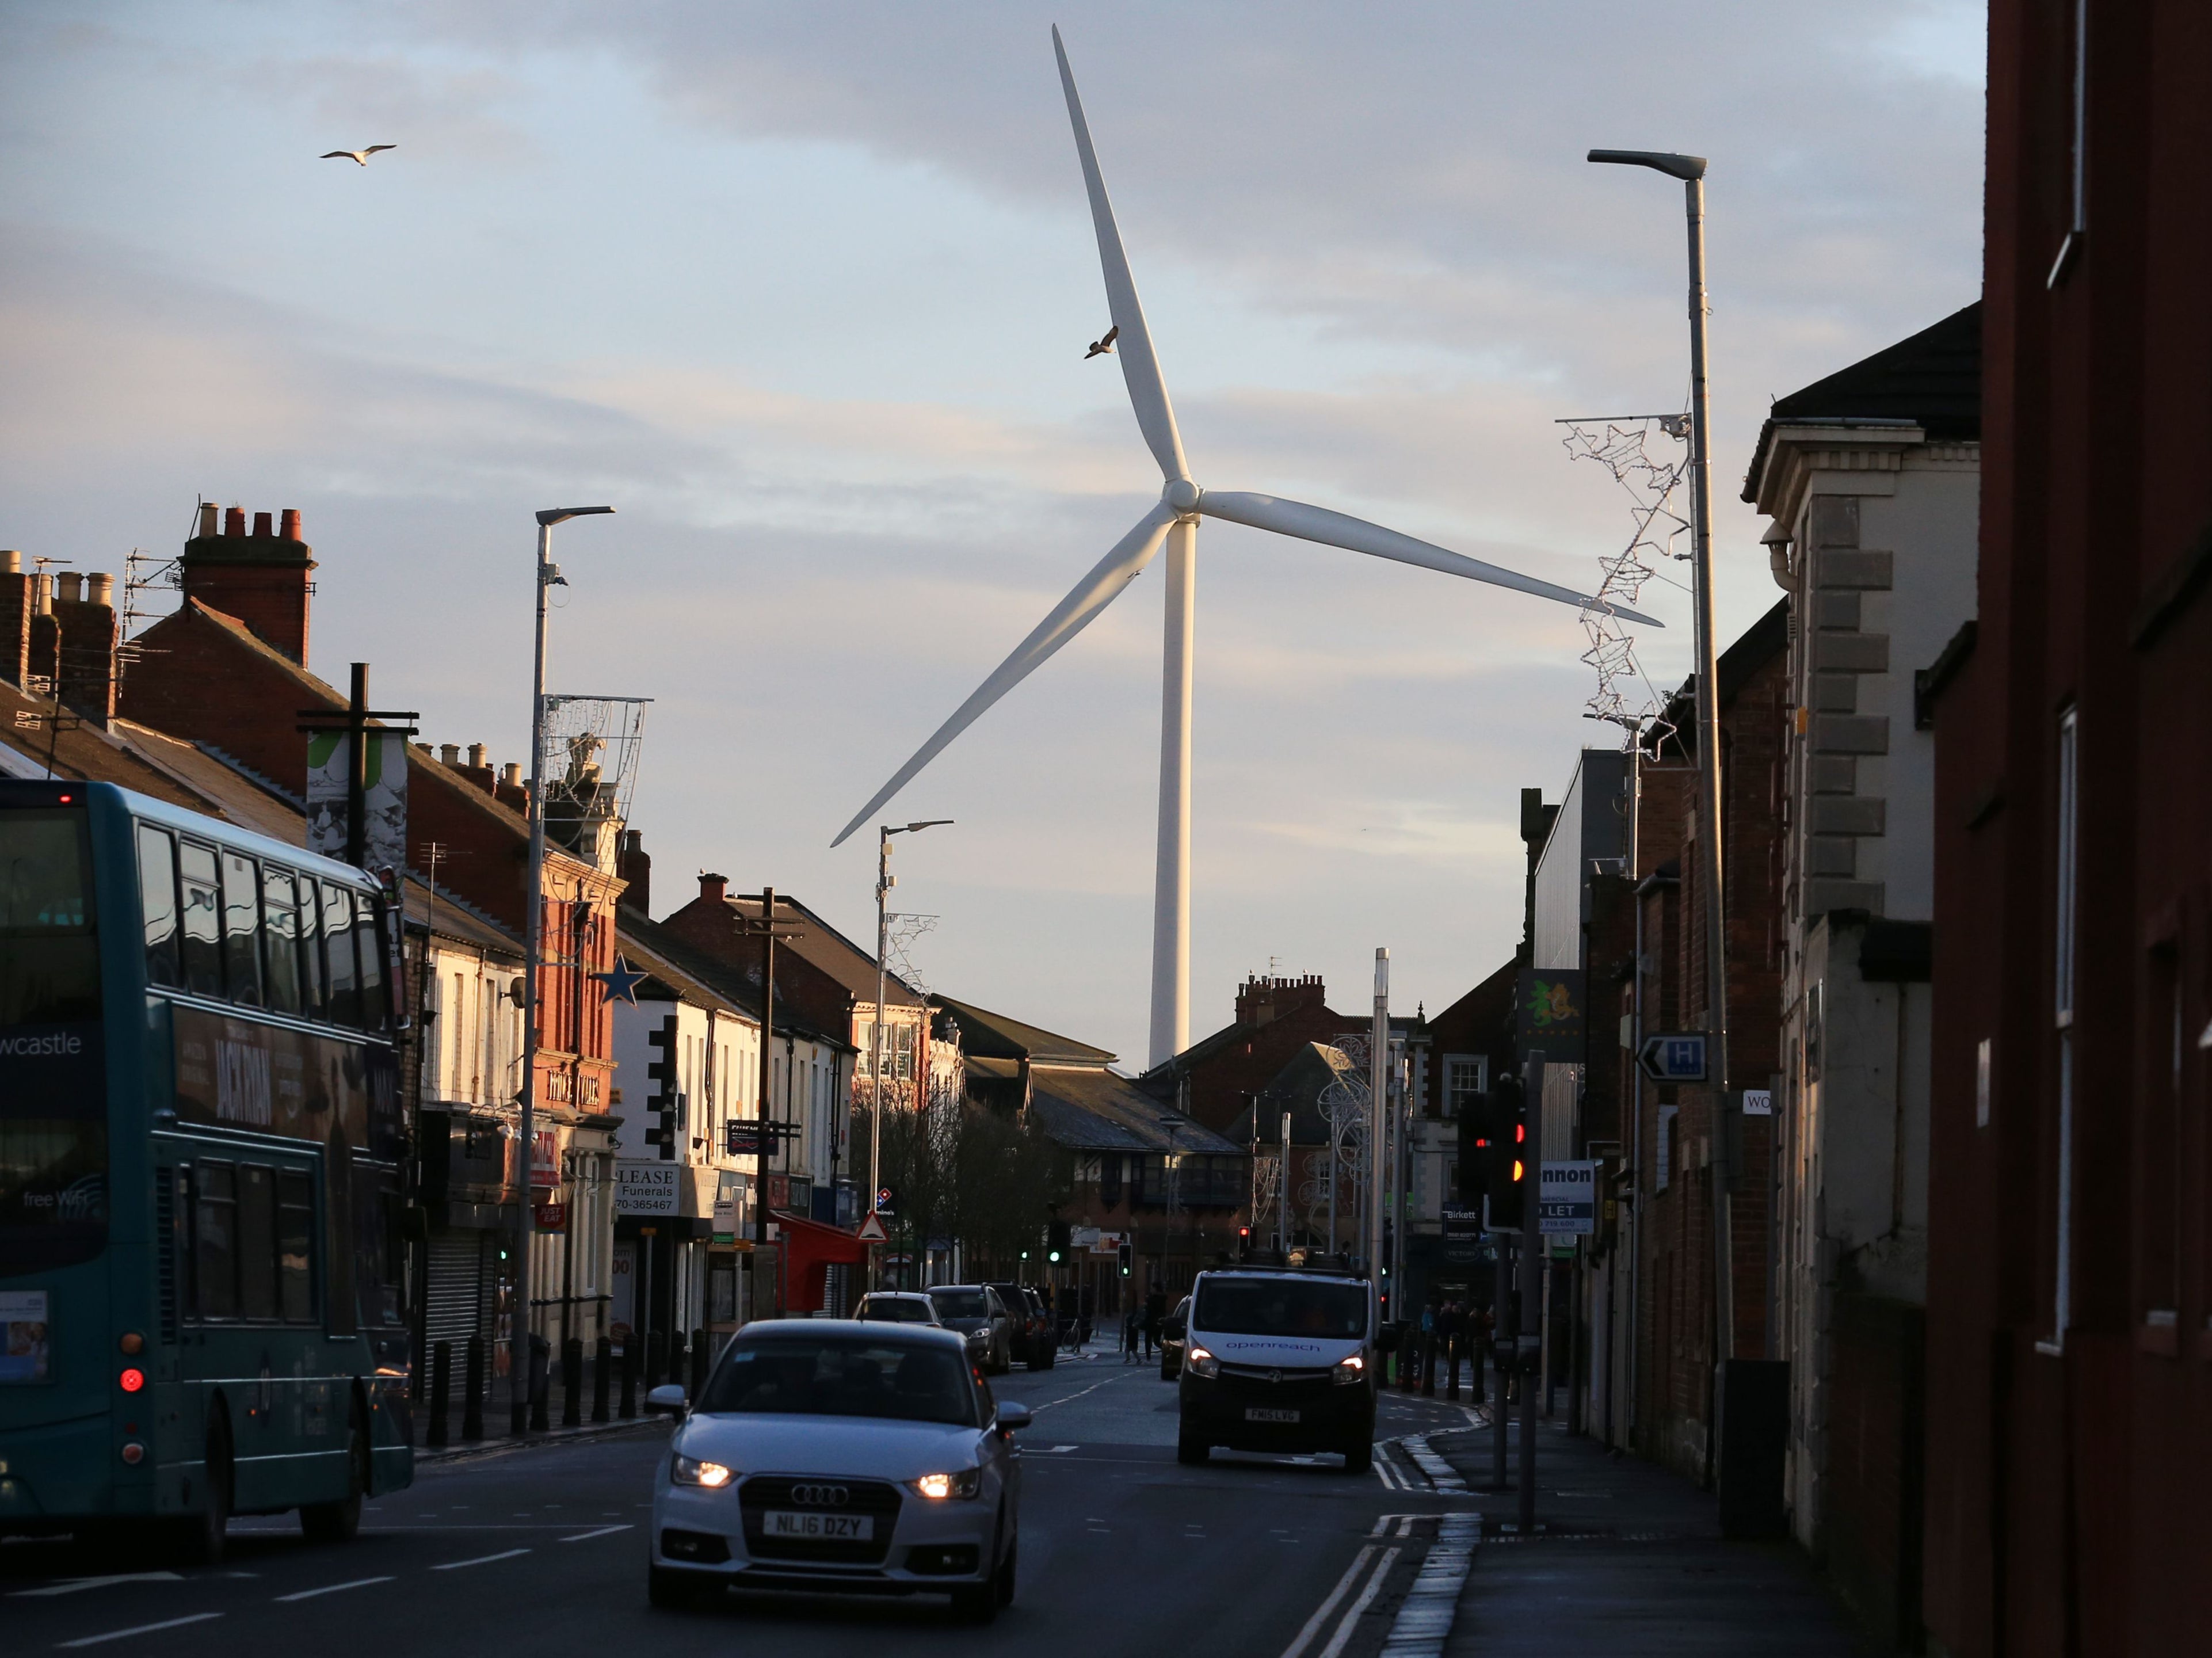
202,951
256,1241
374,1014
344,996
157,903
378,1251
295,1245
280,911
49,959
215,1241
241,927
313,985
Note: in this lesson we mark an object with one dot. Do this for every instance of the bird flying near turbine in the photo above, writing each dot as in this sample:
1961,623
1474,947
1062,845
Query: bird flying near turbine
1174,521
359,157
1103,345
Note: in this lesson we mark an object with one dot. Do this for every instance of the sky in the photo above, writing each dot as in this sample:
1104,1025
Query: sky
803,290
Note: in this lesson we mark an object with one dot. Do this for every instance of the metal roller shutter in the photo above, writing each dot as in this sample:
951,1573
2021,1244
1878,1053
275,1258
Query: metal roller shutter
453,1305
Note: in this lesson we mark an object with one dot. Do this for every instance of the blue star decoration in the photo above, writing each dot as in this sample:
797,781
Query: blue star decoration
620,985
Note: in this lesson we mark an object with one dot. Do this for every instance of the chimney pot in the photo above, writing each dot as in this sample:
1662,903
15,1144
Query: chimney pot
233,520
290,528
450,753
265,524
42,594
479,756
100,588
11,563
715,888
208,513
72,587
510,774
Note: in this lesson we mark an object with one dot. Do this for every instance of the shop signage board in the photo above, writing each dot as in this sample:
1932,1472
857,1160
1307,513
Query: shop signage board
1566,1199
645,1188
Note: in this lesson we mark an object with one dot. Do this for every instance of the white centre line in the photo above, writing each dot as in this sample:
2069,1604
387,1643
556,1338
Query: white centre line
1351,1619
78,1585
142,1628
1320,1612
331,1588
603,1531
481,1560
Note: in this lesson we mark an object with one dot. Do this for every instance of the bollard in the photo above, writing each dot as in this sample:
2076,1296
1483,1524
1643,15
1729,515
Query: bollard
698,1364
572,1383
629,1377
602,1362
1428,1365
675,1371
472,1406
441,1387
656,1359
538,1380
1451,1365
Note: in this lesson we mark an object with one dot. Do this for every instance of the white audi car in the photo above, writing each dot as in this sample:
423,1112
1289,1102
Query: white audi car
838,1457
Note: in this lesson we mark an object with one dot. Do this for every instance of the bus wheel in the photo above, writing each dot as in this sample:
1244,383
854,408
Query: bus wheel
339,1521
199,1537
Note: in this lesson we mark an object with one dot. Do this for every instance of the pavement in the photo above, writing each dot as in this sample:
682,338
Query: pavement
1122,1551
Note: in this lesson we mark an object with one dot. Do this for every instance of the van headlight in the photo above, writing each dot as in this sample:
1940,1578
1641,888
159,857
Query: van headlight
1201,1364
689,1470
1349,1369
939,1486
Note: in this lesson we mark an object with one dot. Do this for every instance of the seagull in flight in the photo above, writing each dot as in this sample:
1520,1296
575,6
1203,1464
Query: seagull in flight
359,157
1101,348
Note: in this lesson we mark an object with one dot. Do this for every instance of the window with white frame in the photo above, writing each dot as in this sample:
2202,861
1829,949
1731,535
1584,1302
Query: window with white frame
1465,1076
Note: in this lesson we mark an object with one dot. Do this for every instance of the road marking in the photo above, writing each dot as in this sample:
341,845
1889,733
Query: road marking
1350,1621
481,1560
142,1628
73,1584
1424,1618
331,1588
1056,1450
1077,1393
1321,1611
603,1531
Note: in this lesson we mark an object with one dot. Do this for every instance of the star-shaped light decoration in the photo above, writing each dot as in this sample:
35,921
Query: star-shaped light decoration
620,984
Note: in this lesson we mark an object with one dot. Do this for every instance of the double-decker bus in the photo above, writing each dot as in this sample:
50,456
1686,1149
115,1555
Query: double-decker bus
200,1197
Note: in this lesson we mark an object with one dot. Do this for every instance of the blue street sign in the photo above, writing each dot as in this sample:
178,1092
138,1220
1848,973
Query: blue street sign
1673,1057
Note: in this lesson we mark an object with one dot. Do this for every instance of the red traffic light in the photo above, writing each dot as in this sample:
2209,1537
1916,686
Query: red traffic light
133,1380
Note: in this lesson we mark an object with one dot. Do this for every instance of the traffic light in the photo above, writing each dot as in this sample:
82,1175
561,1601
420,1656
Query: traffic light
1059,1242
1122,1255
1507,1156
1243,1243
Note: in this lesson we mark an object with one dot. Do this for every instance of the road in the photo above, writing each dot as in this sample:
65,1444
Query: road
1121,1551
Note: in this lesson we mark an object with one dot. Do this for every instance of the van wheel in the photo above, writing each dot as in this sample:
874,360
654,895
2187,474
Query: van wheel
1191,1450
1359,1456
339,1521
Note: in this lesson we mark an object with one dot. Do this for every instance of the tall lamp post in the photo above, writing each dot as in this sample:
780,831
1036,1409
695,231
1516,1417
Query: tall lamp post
884,882
521,1383
1690,170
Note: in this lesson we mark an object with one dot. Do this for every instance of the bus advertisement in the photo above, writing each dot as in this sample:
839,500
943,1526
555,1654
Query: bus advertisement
201,1155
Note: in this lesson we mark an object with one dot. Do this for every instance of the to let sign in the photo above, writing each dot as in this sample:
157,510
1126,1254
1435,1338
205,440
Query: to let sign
645,1188
1567,1198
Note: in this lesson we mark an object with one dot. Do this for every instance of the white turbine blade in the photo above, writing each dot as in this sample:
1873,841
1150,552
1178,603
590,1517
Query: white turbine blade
1140,367
1069,617
1295,518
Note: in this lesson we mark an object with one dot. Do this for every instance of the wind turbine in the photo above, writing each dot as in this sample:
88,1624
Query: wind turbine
1174,521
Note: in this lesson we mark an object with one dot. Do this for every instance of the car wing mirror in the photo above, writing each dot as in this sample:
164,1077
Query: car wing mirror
1013,1417
666,1400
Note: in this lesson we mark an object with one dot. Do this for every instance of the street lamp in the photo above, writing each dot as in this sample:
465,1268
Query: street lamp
884,882
519,1382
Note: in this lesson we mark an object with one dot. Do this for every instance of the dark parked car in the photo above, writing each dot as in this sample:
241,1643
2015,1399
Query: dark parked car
1174,1336
976,1312
1035,1346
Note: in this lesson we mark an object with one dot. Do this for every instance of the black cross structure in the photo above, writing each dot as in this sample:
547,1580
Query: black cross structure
355,722
768,930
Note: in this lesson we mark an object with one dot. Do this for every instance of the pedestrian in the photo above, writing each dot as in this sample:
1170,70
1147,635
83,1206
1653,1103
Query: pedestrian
1084,1308
1450,1327
1428,1349
1484,1323
1156,1313
1129,1317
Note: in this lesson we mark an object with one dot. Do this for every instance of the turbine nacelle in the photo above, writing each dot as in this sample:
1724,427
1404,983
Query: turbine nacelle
1181,497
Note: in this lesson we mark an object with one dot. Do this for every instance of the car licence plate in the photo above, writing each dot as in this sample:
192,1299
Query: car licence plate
821,1527
1261,1414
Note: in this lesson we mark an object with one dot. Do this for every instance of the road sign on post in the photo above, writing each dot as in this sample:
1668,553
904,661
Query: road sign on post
872,1229
1566,1199
1673,1057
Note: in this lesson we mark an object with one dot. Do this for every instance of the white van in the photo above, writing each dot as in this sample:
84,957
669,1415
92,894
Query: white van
1280,1359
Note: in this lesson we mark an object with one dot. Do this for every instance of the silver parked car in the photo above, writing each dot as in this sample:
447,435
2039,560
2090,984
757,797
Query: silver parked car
897,1307
976,1311
826,1457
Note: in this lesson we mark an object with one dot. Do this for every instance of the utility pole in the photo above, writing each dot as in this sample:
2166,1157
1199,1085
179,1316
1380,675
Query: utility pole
884,882
1378,1081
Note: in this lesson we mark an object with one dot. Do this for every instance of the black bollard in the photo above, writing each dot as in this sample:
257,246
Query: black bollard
675,1371
629,1376
602,1362
1428,1365
698,1364
472,1406
441,1387
540,1380
1452,1366
656,1358
572,1383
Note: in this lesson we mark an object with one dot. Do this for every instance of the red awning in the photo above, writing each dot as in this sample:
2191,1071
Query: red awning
810,1249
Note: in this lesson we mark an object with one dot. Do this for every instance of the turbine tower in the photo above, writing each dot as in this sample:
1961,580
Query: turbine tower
1174,521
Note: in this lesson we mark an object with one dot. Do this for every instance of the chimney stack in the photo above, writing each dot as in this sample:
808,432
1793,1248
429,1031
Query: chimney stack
261,578
715,888
635,867
87,634
15,606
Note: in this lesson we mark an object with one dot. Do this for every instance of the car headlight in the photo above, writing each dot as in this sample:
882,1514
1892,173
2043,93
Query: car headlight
1199,1363
689,1470
940,1486
1349,1369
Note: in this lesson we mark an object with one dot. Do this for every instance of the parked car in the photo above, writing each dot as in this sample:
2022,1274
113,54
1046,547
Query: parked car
1034,1344
1175,1330
976,1311
897,1307
823,1457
